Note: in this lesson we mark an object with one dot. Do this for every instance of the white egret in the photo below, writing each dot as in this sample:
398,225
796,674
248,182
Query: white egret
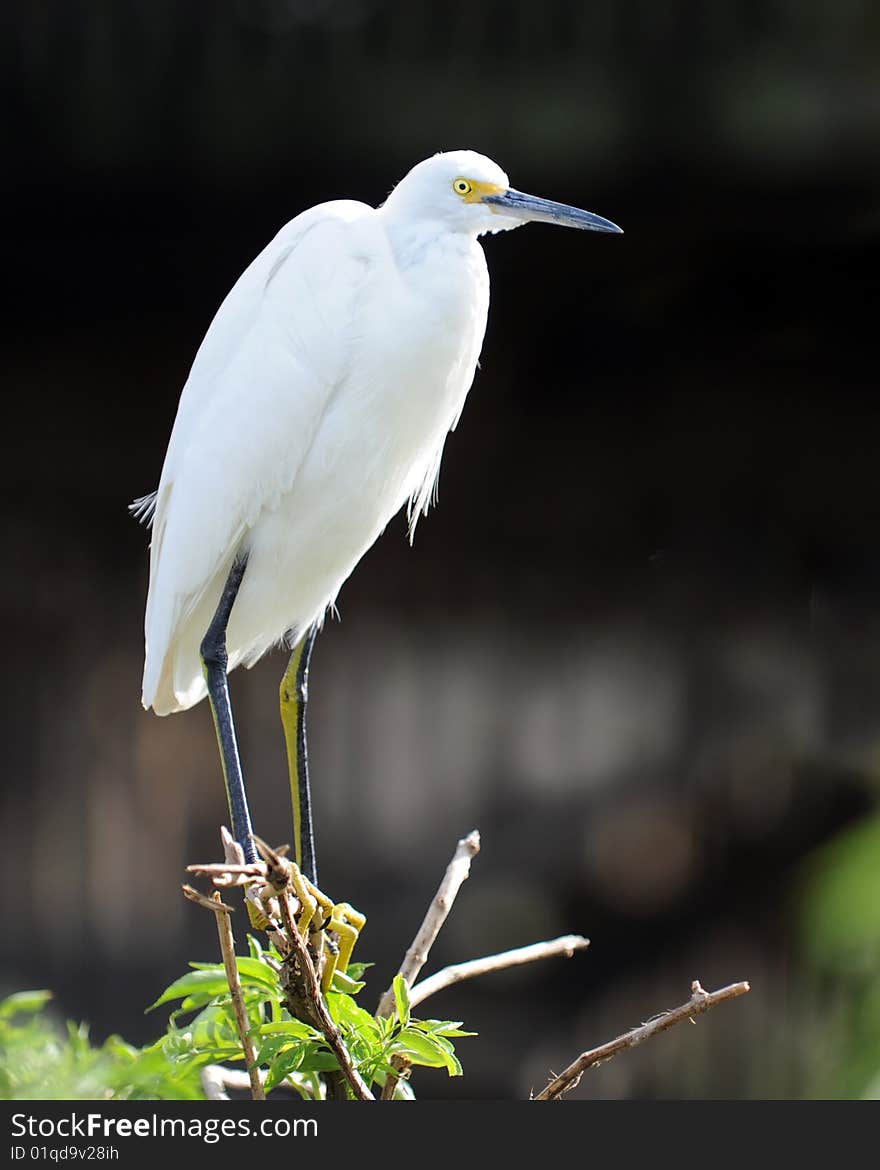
317,407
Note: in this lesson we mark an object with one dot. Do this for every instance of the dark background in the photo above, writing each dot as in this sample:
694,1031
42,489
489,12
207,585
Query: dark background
636,644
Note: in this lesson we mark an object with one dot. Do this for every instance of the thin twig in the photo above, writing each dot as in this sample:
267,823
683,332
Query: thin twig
227,946
401,1065
215,1084
208,903
699,1002
216,1079
566,945
225,874
214,868
417,955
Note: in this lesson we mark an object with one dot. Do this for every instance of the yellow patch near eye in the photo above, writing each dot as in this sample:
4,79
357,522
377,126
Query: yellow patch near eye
473,191
479,191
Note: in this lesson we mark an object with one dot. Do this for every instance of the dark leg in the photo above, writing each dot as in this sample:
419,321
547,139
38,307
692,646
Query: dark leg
214,663
294,698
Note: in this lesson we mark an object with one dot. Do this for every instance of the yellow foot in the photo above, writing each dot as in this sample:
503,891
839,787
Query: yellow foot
343,929
332,928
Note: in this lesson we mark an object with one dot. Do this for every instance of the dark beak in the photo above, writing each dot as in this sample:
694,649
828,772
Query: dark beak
529,208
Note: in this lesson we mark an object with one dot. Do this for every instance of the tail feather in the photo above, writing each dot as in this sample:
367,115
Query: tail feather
173,679
143,509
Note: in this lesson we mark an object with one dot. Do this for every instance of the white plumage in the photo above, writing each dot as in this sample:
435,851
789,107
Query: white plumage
317,406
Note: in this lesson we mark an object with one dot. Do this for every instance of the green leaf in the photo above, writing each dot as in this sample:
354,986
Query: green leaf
252,971
343,982
215,1027
429,1050
387,1026
272,1046
201,985
192,1003
286,1062
23,1001
401,999
208,980
356,970
351,1017
320,1062
289,1028
450,1028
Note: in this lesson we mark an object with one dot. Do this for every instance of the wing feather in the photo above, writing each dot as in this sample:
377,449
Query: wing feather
258,389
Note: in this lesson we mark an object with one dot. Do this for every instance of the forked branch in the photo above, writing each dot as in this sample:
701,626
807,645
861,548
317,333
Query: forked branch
699,1002
227,948
417,955
567,945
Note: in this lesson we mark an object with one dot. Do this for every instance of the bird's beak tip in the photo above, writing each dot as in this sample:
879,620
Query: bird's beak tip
531,208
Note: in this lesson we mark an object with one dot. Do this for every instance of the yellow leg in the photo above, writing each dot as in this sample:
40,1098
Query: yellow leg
319,915
293,695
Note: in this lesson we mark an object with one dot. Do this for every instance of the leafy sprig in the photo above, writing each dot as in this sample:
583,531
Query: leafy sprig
290,1050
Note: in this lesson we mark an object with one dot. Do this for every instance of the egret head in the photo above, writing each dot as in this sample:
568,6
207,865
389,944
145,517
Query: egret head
469,193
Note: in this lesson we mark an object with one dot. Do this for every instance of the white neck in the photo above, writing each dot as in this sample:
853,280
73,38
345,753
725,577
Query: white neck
412,241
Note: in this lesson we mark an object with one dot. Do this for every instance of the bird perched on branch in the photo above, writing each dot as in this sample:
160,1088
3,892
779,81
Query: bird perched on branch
316,408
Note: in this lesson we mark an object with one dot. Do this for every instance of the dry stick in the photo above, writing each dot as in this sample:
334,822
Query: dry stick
215,1084
216,1079
227,946
566,945
401,1065
417,955
699,1002
313,991
231,869
207,903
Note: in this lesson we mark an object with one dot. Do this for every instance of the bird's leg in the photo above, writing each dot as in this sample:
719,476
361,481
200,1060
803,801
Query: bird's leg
214,663
294,694
320,915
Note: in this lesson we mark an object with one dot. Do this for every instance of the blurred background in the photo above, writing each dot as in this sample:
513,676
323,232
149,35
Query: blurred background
637,644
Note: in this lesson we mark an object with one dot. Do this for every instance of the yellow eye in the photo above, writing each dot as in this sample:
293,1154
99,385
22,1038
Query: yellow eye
462,187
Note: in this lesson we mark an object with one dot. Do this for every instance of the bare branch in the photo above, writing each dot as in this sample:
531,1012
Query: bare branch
216,1079
699,1002
227,946
566,945
215,1084
402,1065
415,958
224,873
205,902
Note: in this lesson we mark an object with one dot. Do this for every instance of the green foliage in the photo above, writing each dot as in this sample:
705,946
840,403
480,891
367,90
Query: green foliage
294,1052
39,1060
839,923
840,918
